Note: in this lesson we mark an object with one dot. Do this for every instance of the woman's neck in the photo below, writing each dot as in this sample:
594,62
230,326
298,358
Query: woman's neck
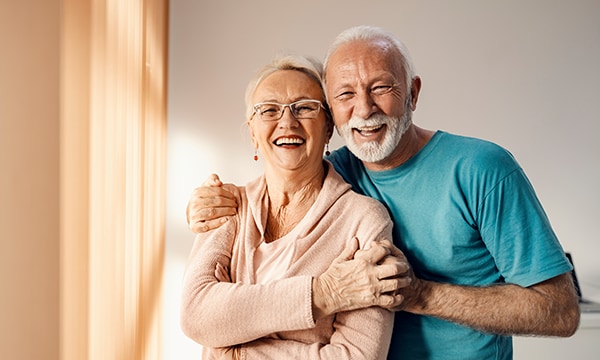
286,187
290,198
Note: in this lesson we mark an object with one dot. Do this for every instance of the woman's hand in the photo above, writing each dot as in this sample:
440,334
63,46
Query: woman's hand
362,278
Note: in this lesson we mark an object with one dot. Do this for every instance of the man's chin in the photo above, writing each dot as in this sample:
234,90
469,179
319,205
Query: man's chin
368,152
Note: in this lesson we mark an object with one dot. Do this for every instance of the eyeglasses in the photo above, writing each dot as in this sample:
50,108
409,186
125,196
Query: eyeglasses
302,109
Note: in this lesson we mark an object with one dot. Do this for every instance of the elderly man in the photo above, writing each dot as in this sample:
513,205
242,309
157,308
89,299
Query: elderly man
486,263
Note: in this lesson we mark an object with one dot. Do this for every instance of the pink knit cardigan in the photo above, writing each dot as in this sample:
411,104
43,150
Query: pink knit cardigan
274,321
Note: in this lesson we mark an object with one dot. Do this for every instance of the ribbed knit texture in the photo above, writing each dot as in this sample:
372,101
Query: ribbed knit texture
274,321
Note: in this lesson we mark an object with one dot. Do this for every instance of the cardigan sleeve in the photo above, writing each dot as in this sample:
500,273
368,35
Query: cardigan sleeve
359,334
219,314
260,321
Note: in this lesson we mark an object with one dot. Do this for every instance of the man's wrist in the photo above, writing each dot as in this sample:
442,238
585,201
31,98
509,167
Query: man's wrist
420,294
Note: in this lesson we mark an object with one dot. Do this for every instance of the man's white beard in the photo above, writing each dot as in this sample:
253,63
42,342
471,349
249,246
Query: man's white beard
373,151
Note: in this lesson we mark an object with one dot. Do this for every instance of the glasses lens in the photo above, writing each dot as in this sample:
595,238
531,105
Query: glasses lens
268,111
305,109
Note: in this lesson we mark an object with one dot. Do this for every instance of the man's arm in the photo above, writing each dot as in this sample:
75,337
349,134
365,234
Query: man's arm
549,308
355,280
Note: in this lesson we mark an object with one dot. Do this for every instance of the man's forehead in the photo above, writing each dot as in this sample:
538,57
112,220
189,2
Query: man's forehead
352,63
361,73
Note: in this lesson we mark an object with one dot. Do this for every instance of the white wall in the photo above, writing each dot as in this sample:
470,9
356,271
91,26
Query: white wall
523,74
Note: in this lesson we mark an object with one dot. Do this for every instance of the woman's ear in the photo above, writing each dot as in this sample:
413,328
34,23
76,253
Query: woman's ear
252,136
329,128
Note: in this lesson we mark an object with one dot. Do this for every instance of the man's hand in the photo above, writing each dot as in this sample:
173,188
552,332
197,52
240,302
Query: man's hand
362,278
211,205
222,273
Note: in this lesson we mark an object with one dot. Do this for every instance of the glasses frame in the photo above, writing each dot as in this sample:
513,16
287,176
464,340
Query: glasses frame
283,106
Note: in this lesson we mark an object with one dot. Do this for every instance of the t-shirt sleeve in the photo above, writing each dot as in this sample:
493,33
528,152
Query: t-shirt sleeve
518,234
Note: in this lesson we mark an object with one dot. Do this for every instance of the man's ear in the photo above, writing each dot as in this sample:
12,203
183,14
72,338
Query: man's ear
415,89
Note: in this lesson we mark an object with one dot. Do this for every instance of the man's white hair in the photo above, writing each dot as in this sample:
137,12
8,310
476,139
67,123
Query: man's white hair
372,33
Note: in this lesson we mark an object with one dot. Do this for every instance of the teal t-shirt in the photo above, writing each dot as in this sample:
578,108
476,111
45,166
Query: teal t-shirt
464,213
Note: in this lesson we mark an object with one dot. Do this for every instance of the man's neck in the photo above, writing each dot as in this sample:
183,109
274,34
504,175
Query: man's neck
411,142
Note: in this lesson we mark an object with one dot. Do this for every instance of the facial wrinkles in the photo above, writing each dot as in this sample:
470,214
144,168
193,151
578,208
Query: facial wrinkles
374,151
357,68
287,86
351,73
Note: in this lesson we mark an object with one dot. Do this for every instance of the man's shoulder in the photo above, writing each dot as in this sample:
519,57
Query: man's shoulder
450,139
475,150
346,163
341,154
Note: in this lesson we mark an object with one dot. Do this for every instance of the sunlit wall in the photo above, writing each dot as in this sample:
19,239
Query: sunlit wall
523,74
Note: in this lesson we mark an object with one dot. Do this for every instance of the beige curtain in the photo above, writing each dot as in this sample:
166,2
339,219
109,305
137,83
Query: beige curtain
113,116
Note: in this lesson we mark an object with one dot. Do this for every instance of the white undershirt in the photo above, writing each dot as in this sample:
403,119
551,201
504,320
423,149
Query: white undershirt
271,260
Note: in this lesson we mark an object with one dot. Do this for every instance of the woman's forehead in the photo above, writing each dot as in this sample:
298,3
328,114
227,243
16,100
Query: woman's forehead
284,83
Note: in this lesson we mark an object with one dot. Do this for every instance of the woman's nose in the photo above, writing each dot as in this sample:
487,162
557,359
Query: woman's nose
287,119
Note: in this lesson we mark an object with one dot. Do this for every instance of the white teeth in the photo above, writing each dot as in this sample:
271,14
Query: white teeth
289,141
369,128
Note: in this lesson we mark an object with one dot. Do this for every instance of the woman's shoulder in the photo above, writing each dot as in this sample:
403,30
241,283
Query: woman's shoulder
348,198
365,206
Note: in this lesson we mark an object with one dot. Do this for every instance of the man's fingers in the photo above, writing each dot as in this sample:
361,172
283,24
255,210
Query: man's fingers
392,266
391,302
209,203
221,273
213,180
213,192
197,212
390,296
392,285
211,213
204,226
394,251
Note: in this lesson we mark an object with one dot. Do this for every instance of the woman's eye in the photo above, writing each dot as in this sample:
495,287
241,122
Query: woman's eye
268,110
302,109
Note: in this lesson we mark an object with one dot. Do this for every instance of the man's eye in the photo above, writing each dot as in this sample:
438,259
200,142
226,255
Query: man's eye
381,89
346,95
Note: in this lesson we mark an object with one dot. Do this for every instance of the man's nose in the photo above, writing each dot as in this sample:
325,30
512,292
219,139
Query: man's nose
364,105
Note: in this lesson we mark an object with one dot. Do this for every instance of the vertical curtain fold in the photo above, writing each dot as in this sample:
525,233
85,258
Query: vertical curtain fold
127,163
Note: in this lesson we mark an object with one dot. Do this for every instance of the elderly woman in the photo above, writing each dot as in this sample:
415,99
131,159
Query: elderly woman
249,285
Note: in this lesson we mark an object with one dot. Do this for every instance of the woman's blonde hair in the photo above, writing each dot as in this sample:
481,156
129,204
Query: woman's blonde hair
308,66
